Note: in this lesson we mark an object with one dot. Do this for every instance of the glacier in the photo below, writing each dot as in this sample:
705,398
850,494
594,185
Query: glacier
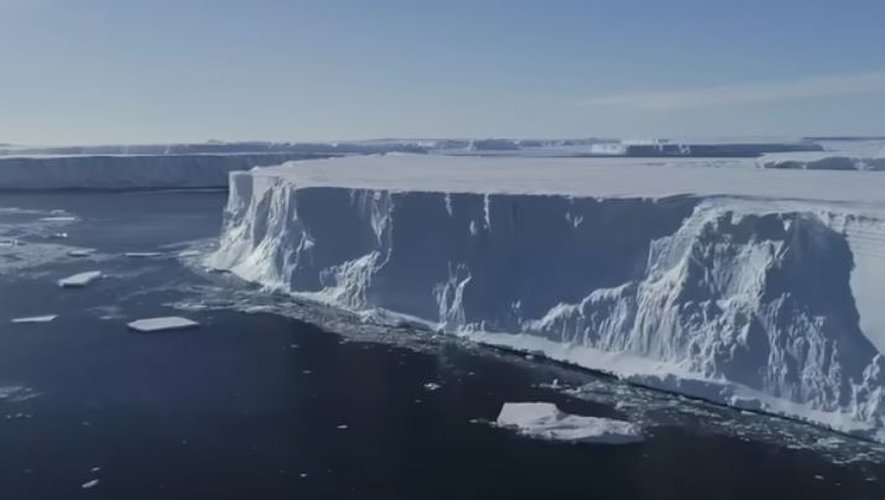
753,288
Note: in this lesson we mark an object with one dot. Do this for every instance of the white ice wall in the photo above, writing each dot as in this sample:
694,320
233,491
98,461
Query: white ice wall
715,297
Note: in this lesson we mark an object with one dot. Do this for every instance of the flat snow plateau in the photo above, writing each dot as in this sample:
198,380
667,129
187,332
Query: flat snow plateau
757,288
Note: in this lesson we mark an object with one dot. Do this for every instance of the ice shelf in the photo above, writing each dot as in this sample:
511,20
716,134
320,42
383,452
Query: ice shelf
752,287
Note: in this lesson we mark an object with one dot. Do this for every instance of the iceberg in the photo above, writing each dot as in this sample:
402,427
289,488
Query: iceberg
748,287
546,421
150,325
79,279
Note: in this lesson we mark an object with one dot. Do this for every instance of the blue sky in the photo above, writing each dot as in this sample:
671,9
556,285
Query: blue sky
114,71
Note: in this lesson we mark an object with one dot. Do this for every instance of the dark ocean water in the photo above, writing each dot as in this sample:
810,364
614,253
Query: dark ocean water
254,406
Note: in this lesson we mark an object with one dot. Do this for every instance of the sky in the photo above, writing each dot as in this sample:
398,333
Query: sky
137,71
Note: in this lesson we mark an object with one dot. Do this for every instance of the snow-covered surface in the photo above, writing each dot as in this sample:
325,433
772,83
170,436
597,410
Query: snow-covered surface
80,279
36,319
751,287
584,177
162,324
546,421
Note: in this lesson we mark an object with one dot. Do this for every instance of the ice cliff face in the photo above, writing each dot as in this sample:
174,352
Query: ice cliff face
714,297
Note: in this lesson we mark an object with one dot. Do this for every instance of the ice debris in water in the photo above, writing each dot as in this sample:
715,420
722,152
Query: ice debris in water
36,319
546,421
89,484
162,324
80,279
81,252
142,255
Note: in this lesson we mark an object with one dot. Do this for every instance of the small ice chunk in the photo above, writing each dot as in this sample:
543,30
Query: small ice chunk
96,469
188,253
89,484
81,252
162,324
36,319
546,421
342,427
142,255
80,279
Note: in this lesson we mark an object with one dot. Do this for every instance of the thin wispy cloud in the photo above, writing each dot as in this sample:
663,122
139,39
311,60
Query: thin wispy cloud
745,93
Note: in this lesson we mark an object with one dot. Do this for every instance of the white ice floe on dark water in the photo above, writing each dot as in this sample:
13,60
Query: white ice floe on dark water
80,279
161,324
36,319
546,421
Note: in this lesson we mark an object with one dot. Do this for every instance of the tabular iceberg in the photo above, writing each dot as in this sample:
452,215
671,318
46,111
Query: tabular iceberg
755,288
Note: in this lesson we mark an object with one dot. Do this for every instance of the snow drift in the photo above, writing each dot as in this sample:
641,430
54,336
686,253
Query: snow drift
742,301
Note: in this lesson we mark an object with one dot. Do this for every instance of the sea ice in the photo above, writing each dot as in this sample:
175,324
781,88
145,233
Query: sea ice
162,324
546,421
80,279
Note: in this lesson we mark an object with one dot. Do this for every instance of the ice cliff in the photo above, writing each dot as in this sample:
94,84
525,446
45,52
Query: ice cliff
710,288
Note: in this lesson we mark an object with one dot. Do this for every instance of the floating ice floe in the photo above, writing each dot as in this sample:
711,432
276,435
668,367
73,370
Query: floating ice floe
89,484
62,218
142,255
546,421
81,252
36,319
79,279
162,324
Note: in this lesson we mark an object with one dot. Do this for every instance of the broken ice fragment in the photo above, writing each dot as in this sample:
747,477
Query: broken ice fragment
36,319
162,324
142,255
546,421
89,484
81,252
80,279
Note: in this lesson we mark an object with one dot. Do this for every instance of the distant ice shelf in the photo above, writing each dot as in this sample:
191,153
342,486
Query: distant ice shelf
33,172
830,160
750,287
